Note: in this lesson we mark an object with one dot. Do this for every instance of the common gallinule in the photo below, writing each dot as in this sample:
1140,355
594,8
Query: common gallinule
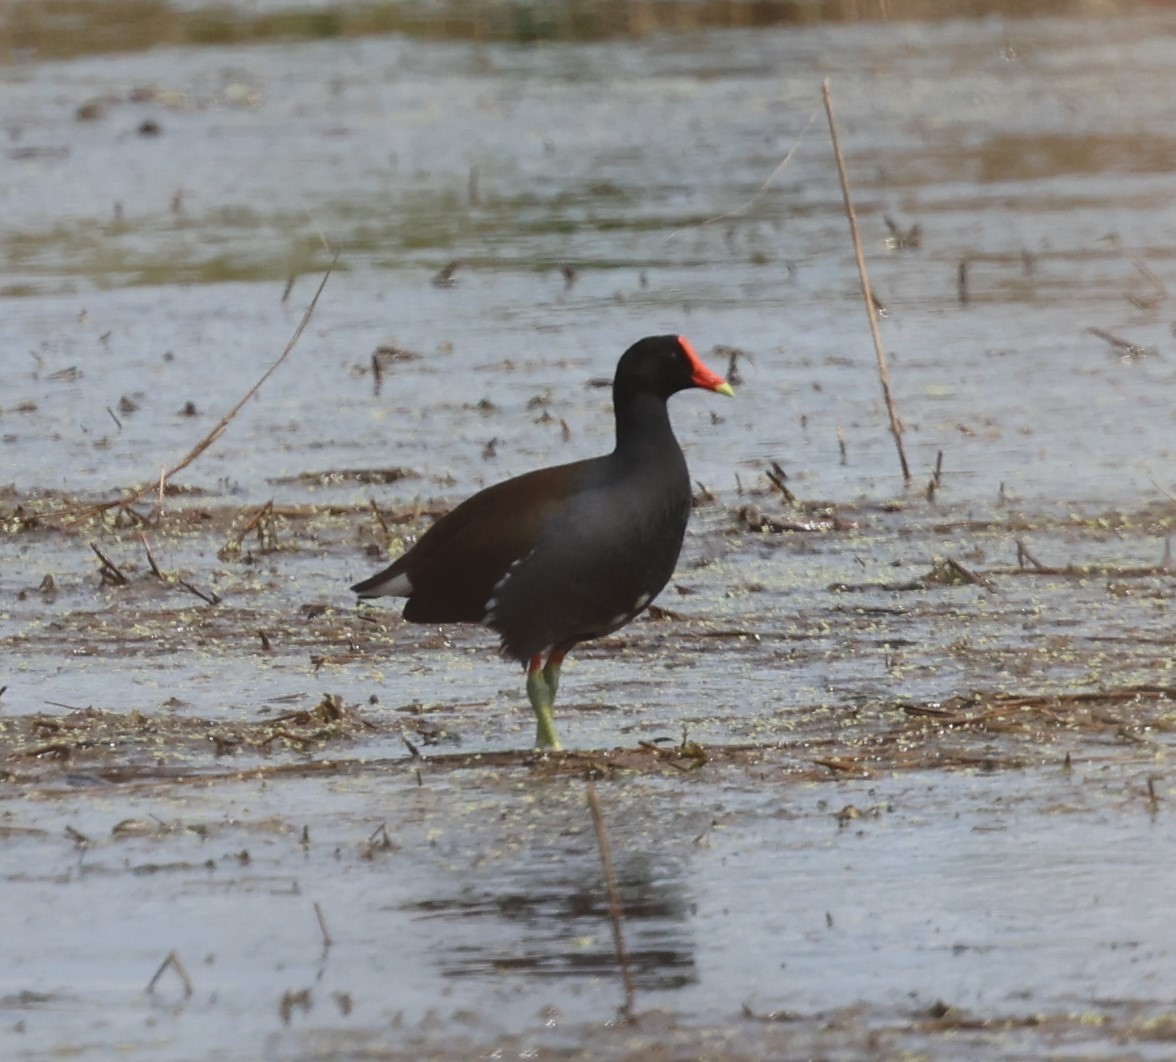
565,554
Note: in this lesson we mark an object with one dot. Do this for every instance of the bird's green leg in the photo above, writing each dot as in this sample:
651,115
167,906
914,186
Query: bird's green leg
551,670
542,696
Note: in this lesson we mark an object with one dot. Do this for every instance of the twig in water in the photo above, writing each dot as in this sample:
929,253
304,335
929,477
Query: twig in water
221,425
135,493
413,751
380,520
151,558
1156,296
109,571
444,278
1154,280
1024,555
294,1000
1151,476
263,520
614,896
760,191
966,575
903,240
210,598
172,960
936,477
859,254
733,354
318,913
377,374
155,516
778,478
1128,351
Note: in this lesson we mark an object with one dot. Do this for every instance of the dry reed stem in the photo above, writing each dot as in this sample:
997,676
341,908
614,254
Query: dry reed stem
614,896
867,291
87,512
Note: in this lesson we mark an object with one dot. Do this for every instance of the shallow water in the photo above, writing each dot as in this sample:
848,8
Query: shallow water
1024,156
1001,878
484,918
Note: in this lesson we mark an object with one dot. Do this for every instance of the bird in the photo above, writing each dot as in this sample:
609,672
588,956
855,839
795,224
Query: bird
566,554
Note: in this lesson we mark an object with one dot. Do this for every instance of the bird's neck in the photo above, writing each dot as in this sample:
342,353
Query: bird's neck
643,426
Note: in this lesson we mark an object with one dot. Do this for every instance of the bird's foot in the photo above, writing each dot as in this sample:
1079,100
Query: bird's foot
542,696
545,739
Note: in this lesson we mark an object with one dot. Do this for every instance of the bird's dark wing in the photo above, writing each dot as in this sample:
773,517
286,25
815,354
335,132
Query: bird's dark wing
455,565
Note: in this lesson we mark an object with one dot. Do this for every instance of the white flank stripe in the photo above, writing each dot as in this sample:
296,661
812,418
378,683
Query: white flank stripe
397,586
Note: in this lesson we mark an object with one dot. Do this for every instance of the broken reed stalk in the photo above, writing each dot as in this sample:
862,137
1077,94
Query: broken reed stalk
614,896
172,961
134,494
209,598
1024,555
110,571
151,558
1153,796
867,291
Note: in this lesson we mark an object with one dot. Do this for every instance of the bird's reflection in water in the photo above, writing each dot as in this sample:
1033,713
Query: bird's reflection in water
555,922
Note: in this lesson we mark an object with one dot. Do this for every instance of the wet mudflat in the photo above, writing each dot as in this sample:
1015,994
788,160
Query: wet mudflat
885,773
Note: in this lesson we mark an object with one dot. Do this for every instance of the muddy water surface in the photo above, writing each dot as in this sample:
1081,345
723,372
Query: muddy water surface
886,774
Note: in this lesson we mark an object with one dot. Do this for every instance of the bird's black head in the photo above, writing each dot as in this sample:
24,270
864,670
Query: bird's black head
664,365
